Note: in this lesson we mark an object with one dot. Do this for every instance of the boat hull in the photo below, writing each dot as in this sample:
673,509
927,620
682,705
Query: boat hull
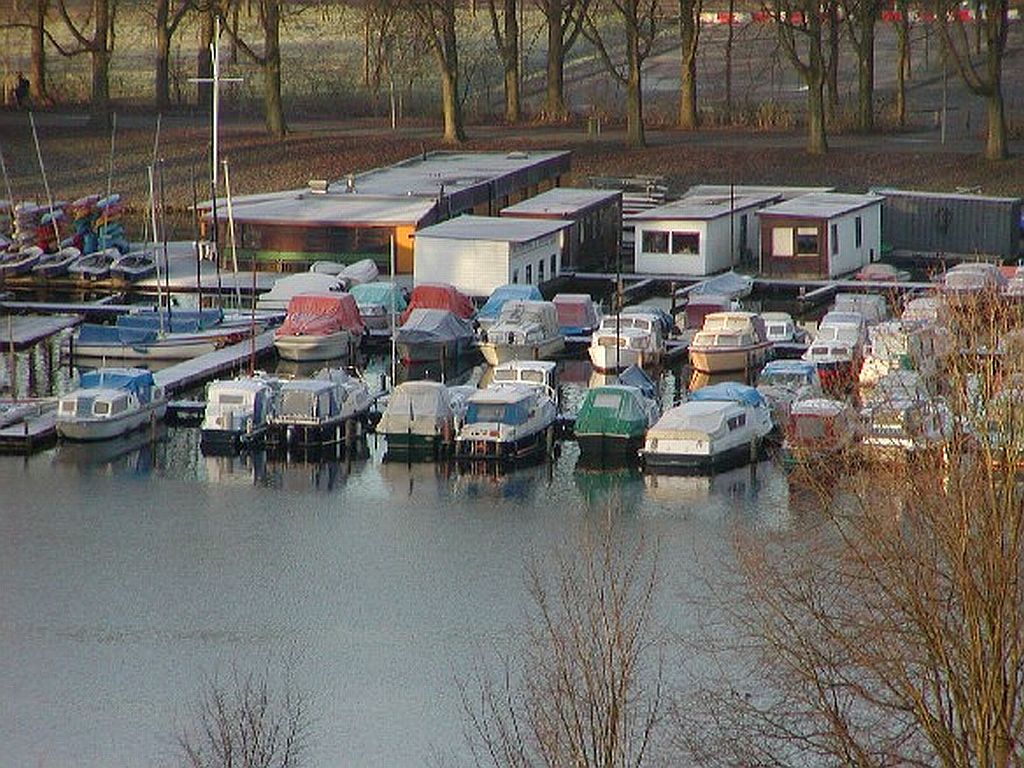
496,354
607,449
87,429
730,458
716,360
447,352
533,445
184,349
332,346
226,441
411,446
604,359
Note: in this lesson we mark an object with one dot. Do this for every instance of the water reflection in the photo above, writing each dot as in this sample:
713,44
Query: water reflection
604,488
138,453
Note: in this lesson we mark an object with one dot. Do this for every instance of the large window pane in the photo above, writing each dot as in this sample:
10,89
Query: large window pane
655,242
686,242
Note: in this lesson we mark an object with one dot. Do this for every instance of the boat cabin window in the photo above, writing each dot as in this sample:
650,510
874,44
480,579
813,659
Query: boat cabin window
606,400
298,404
535,377
101,408
777,331
119,405
735,422
67,406
785,379
229,398
513,414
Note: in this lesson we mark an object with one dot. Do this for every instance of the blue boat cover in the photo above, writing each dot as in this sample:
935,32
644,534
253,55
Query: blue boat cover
137,380
379,293
92,333
178,321
503,293
731,391
635,377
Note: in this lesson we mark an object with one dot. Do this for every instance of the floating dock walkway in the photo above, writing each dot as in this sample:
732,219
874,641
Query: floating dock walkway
182,375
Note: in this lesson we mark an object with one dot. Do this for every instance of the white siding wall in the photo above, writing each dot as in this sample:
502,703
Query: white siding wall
667,263
475,267
851,258
533,254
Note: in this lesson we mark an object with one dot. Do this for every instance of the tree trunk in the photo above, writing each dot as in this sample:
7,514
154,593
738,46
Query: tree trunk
452,113
99,110
554,103
902,65
728,64
163,55
689,32
995,140
272,103
817,144
37,60
634,93
866,72
832,63
204,62
513,109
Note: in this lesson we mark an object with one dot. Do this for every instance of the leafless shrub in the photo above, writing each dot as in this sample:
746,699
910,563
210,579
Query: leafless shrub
585,688
245,723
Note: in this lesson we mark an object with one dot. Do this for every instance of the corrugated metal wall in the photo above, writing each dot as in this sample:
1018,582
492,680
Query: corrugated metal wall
947,224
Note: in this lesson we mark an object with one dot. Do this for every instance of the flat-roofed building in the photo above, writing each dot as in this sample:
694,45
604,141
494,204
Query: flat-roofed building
357,216
477,254
594,216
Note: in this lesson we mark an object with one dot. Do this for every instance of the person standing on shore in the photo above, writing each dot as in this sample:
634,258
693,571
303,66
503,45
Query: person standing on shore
21,86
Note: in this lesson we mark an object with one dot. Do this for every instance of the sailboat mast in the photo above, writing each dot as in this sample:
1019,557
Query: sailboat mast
231,235
152,216
391,312
46,184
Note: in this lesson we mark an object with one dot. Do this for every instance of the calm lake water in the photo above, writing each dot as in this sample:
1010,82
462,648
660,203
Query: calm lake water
130,573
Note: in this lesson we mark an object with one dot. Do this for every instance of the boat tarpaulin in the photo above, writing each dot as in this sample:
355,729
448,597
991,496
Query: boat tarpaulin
433,325
611,410
318,314
384,294
635,376
576,313
176,321
137,380
439,296
504,293
92,334
728,391
729,284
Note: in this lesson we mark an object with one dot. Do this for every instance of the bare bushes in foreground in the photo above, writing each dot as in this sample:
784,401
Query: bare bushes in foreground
245,722
584,689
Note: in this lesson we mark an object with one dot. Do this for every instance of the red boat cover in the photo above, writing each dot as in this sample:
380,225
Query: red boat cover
317,314
439,296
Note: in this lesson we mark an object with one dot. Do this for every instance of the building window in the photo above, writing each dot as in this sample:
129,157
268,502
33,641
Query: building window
540,271
554,266
529,273
515,275
807,241
834,239
743,233
686,243
782,241
655,242
858,232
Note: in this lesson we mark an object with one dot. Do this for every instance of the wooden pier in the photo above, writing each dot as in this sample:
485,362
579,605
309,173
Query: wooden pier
33,431
189,372
24,331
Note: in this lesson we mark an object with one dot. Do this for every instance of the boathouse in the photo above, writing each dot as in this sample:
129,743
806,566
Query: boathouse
823,235
477,254
359,215
698,235
949,225
594,234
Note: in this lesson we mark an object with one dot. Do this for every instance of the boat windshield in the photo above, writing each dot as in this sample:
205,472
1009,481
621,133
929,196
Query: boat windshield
513,414
784,379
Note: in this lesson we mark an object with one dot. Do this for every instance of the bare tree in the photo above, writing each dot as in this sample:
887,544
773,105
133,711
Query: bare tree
798,23
636,20
563,20
99,46
585,689
437,20
861,19
245,722
903,70
689,38
168,18
268,17
984,80
888,628
505,29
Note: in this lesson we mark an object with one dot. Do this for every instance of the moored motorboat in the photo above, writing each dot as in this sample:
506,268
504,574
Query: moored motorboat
784,382
132,266
624,340
838,351
718,428
237,412
324,326
513,422
110,402
490,311
431,336
525,330
378,302
820,435
612,422
421,418
729,342
578,315
311,413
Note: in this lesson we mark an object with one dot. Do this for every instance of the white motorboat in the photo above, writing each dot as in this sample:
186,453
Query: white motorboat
277,298
525,330
902,419
110,402
627,339
784,382
729,342
237,412
313,412
510,422
721,426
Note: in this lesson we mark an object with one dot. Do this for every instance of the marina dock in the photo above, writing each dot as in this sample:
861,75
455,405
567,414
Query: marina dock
178,377
34,429
24,331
